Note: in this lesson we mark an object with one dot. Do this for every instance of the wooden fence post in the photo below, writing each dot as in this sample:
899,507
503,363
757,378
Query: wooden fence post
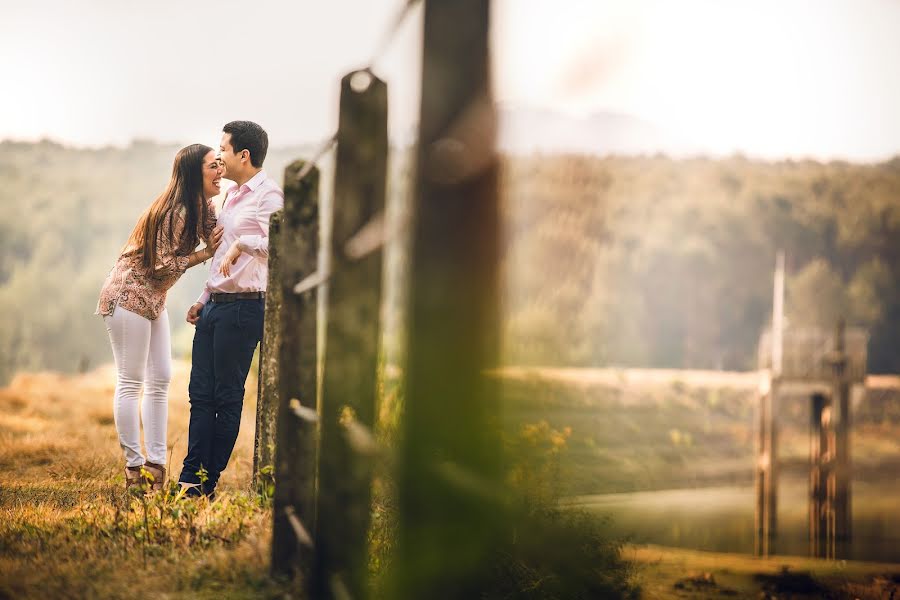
295,452
351,346
451,518
267,389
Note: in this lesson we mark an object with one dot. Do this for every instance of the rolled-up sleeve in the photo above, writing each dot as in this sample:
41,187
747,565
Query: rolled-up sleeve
204,296
257,245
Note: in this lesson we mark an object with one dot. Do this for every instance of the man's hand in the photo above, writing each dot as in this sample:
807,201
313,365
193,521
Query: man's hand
234,252
193,314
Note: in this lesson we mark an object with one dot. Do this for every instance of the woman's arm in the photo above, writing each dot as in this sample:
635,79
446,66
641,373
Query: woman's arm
199,256
168,263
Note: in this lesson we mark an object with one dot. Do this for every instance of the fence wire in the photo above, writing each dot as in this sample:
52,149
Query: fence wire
385,41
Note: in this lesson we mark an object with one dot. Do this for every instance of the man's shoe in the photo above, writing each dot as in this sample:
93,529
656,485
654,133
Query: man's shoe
190,490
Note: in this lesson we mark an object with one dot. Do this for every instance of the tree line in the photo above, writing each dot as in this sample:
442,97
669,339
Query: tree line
656,262
632,261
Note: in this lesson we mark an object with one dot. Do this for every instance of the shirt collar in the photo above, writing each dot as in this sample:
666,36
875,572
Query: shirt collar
255,181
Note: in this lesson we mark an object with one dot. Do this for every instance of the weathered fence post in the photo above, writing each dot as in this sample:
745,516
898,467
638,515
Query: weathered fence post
267,389
351,346
450,497
295,451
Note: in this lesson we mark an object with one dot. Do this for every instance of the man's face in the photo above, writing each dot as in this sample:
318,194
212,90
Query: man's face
233,162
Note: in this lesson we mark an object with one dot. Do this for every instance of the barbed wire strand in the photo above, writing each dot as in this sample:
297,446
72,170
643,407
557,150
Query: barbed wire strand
314,161
387,38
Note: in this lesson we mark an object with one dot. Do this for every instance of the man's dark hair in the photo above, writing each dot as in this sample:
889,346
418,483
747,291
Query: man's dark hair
247,135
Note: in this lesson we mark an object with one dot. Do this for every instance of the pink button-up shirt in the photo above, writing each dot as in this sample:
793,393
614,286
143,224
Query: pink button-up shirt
245,217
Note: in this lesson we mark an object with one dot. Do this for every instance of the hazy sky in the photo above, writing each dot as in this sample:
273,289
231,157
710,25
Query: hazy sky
769,78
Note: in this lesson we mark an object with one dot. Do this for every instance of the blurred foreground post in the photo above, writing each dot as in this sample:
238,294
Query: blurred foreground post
450,496
351,344
294,257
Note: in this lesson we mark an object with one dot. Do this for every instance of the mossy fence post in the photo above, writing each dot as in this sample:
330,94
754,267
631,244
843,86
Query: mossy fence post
267,389
349,392
293,392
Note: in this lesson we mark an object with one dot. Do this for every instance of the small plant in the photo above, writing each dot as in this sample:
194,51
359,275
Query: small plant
265,484
203,474
534,472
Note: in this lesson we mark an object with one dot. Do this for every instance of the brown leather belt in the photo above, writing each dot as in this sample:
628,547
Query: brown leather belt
219,297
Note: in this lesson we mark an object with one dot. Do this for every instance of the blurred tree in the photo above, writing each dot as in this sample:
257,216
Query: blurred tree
815,296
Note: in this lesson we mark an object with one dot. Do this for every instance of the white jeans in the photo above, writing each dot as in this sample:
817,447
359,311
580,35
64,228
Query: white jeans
142,349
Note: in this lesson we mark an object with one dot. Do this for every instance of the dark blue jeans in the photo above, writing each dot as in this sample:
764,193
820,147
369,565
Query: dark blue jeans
224,340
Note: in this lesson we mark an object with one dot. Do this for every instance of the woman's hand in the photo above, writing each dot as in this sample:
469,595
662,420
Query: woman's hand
214,240
234,252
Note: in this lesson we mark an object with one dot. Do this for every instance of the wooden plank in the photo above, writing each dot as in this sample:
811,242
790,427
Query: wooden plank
295,452
351,344
450,497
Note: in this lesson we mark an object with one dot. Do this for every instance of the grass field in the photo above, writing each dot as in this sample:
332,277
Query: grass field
656,429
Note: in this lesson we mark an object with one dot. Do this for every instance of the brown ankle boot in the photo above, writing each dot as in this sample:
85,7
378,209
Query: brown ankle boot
133,477
158,472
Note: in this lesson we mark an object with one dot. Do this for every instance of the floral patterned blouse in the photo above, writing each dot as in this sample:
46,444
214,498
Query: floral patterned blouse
143,291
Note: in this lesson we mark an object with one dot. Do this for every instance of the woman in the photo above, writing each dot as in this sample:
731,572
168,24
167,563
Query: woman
133,303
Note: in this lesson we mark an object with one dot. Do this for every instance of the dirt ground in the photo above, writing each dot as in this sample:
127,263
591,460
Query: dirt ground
665,573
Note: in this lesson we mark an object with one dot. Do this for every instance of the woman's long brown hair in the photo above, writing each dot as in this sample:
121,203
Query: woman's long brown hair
185,190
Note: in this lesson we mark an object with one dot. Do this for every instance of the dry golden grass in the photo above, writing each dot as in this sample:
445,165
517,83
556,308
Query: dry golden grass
68,529
62,426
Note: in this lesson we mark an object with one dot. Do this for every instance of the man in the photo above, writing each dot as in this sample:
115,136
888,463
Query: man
228,316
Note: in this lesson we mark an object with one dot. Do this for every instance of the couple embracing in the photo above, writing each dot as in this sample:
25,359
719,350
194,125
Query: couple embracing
228,315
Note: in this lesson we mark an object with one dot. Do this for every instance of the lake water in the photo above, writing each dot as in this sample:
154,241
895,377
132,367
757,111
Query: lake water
721,519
